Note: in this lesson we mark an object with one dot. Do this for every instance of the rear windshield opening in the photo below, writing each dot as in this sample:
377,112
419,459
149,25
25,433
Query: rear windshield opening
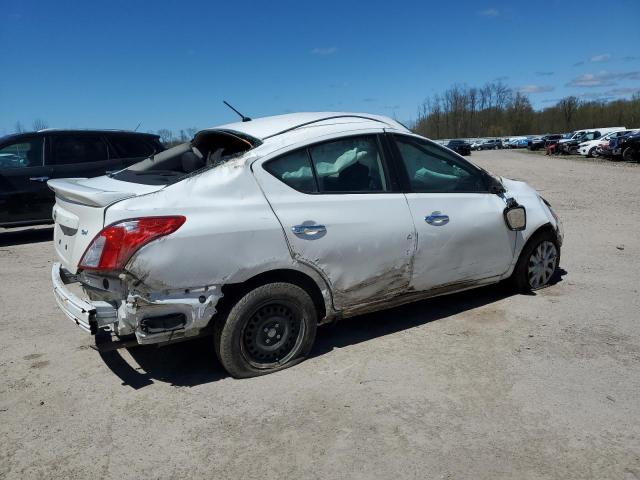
208,149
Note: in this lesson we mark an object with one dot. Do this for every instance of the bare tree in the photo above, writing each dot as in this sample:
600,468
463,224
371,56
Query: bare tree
166,136
18,127
39,124
568,107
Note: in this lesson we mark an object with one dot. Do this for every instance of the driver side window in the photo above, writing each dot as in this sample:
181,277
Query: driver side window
432,169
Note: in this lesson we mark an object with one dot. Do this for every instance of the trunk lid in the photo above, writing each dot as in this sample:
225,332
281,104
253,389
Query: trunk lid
79,212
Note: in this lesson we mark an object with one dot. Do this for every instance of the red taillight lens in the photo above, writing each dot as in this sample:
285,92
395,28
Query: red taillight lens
114,245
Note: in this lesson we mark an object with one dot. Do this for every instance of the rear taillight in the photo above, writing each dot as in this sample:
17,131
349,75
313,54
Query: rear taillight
112,248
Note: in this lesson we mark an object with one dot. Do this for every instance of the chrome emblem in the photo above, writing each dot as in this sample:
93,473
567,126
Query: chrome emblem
84,232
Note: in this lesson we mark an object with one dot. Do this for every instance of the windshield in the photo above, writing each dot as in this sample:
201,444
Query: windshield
207,150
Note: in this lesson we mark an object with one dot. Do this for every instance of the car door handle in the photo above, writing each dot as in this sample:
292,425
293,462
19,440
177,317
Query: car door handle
437,219
39,179
308,230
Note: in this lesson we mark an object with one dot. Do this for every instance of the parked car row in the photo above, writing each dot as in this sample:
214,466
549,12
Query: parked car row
614,143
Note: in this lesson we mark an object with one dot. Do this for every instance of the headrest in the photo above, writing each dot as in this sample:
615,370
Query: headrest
191,162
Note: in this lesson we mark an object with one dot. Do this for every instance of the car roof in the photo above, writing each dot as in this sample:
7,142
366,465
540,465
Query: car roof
279,125
18,136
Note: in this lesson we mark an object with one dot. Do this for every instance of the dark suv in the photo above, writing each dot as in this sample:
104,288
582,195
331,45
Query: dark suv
28,160
459,146
491,145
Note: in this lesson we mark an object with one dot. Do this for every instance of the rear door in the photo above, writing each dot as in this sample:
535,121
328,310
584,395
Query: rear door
80,154
24,196
342,215
461,233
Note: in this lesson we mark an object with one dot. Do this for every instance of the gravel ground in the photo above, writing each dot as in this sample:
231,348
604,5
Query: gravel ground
480,385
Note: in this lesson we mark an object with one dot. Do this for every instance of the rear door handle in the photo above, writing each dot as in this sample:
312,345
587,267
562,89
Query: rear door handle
437,219
39,179
308,230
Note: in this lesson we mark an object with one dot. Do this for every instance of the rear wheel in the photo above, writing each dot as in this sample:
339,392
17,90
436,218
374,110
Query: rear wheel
270,328
538,262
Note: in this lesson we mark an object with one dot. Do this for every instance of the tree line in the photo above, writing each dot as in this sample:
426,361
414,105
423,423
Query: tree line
496,110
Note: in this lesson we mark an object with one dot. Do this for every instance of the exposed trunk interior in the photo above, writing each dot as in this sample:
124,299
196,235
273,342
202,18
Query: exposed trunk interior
208,149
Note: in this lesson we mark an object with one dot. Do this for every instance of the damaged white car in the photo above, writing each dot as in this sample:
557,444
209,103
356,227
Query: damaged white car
258,231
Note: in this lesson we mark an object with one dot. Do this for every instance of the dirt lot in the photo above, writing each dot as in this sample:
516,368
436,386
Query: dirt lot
481,385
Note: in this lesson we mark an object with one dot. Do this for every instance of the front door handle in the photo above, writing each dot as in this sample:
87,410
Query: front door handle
39,179
437,219
308,230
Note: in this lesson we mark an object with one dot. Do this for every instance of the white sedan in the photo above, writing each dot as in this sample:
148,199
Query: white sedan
261,230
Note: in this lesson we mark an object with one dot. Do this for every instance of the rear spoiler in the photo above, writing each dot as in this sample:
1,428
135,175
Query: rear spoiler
71,190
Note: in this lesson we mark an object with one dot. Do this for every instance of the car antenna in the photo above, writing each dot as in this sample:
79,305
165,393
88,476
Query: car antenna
244,119
137,127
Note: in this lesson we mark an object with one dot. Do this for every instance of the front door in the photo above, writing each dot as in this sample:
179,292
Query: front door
341,215
462,235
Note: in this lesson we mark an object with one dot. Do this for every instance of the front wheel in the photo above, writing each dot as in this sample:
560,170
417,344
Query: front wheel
270,328
592,152
630,154
538,262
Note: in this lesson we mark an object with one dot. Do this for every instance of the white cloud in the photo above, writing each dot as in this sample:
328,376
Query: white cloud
605,57
489,12
602,79
535,88
324,51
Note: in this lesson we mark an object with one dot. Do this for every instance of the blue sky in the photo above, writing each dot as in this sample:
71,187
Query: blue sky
96,64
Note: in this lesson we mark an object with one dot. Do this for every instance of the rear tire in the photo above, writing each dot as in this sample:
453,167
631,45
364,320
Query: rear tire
538,262
270,328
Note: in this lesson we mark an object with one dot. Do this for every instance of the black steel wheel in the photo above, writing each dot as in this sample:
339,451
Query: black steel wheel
270,328
271,334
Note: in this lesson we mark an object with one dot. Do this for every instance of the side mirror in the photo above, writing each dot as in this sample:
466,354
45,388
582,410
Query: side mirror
515,216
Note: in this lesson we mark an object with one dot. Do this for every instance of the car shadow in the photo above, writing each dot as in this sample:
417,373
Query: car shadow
194,362
9,238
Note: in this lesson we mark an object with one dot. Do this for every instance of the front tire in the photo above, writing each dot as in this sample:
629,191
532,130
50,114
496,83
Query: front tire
591,153
630,154
538,262
270,328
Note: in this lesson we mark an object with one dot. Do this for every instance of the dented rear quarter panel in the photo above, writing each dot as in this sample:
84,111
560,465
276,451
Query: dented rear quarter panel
230,234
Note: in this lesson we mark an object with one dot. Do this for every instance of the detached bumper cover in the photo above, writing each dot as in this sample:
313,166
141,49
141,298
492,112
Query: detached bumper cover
89,316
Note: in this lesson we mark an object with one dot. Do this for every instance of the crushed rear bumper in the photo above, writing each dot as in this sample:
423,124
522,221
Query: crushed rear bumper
89,316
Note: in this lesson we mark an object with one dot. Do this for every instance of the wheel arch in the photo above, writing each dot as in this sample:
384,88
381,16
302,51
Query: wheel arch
320,294
546,227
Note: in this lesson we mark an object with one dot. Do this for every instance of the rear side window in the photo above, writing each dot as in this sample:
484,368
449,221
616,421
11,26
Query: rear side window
133,146
70,149
349,165
24,153
295,170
